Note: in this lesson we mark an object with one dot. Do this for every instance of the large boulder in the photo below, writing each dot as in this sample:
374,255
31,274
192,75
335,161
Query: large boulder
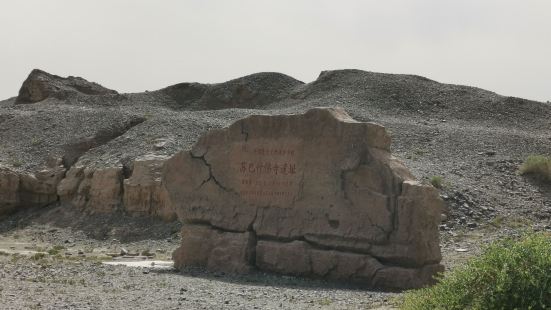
319,193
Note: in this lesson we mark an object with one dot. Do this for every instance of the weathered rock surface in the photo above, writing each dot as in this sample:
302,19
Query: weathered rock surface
144,194
94,190
106,190
25,190
316,194
301,259
215,249
40,189
9,191
40,85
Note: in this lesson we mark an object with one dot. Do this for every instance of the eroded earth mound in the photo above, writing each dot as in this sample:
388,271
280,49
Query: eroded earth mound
472,138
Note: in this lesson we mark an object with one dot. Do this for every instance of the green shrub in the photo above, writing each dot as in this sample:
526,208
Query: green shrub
538,166
510,274
55,250
38,256
436,181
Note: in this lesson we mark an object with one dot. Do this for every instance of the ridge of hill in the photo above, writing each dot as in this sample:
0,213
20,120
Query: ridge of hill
474,139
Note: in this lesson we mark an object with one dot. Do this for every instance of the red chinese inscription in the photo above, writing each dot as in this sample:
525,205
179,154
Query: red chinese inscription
267,173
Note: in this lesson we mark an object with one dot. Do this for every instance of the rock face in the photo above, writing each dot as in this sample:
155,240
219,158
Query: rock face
98,191
24,190
143,193
40,85
40,189
106,191
9,191
315,195
95,190
215,249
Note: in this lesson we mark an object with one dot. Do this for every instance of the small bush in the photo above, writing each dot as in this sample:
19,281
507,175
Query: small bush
508,275
147,252
15,257
35,141
325,302
38,256
55,250
436,181
538,166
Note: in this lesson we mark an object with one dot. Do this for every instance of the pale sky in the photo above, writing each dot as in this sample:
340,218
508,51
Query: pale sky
136,45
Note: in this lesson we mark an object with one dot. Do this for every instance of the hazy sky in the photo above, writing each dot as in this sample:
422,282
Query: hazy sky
132,45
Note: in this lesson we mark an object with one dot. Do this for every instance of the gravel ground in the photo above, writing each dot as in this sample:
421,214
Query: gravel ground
474,139
60,284
41,258
71,272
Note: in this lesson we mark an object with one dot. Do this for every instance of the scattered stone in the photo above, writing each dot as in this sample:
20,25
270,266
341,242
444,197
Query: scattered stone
160,144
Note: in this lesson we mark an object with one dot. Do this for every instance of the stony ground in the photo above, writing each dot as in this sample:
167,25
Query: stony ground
473,139
45,264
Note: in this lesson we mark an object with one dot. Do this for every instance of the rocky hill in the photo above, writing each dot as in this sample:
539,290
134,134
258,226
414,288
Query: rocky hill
473,138
80,181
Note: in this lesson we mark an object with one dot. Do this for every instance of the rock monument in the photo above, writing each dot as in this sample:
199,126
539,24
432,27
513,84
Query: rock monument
316,194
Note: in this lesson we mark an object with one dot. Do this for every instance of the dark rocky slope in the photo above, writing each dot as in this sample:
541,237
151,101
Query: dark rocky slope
40,85
473,138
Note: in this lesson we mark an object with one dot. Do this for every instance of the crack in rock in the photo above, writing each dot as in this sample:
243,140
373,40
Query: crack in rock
211,175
